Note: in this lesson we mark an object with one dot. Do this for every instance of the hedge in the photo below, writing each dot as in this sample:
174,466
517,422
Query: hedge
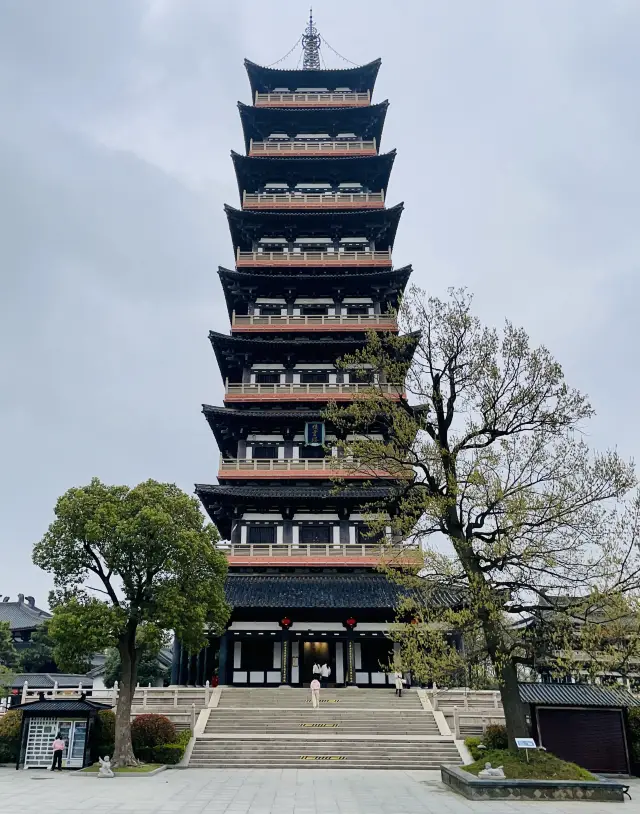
149,731
103,735
168,753
154,738
10,736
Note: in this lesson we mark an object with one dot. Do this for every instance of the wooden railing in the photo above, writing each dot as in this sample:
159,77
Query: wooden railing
315,258
299,147
290,322
328,390
313,200
313,99
306,467
306,550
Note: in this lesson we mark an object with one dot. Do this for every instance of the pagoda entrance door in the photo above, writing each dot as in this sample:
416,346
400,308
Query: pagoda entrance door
318,652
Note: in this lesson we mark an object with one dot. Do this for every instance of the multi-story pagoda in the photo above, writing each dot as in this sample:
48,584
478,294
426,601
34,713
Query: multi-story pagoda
313,273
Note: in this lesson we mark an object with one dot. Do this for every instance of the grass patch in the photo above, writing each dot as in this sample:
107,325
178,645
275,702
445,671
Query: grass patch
146,767
541,766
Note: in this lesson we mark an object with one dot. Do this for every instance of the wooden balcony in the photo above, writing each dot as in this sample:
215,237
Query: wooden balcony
324,468
330,554
311,148
307,392
314,258
313,99
330,322
313,200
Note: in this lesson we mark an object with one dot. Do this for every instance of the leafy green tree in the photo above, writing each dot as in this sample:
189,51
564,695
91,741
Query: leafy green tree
38,656
149,668
151,558
490,478
7,648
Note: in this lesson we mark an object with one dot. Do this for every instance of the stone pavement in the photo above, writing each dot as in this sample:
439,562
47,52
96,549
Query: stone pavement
275,791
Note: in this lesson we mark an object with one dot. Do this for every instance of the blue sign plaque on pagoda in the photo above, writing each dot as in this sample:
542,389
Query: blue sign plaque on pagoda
314,433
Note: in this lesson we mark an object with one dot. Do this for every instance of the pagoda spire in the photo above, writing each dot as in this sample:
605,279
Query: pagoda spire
311,46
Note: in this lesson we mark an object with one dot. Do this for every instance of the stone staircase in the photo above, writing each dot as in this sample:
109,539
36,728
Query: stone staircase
352,729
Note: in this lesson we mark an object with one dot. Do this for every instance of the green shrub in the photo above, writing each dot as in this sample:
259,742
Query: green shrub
149,731
634,732
103,734
169,753
10,736
495,737
472,745
541,766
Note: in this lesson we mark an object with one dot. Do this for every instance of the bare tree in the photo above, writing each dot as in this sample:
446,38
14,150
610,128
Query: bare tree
489,475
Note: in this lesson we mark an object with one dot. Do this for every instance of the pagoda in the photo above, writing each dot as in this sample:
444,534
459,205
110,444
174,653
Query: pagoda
312,239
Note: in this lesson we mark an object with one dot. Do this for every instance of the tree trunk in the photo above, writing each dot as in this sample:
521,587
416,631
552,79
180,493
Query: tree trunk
123,751
514,710
505,669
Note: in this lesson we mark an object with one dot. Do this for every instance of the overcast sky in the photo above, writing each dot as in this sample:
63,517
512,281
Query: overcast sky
517,126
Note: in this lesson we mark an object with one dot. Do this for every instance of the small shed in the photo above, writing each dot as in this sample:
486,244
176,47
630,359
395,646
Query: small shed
42,720
583,723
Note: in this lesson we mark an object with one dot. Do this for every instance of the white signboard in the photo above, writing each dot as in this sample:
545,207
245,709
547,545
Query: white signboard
525,743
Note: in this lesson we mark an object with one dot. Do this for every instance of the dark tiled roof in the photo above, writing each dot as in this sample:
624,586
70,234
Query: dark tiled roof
21,616
358,78
294,492
317,591
247,225
63,706
259,122
228,412
577,695
45,681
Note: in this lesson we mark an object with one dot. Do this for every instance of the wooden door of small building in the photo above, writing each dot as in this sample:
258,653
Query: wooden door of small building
592,737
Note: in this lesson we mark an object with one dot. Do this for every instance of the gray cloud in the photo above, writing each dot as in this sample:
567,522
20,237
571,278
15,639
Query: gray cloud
516,126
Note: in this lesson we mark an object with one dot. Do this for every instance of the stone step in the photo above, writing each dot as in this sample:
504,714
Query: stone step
405,755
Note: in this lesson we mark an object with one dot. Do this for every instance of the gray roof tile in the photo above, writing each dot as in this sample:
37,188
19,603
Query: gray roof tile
45,681
21,615
351,591
578,695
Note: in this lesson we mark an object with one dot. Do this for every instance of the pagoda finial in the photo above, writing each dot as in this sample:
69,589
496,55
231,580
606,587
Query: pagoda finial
311,46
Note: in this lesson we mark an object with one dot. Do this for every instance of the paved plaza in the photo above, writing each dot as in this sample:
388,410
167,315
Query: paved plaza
275,791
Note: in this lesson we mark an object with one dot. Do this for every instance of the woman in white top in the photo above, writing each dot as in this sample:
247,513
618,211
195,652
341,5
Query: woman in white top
399,681
325,672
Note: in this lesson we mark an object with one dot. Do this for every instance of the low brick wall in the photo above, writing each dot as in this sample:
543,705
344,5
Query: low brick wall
469,786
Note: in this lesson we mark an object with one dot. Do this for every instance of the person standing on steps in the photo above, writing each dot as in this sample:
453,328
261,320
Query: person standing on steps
315,693
325,672
399,681
317,670
58,748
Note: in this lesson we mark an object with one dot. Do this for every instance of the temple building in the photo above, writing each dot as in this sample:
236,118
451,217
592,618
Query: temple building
313,245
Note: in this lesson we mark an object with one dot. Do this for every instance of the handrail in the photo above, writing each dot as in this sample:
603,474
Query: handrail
318,147
252,200
339,258
308,467
307,319
303,549
329,464
313,98
311,389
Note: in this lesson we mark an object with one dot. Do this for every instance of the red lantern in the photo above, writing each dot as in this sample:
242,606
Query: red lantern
351,623
285,623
